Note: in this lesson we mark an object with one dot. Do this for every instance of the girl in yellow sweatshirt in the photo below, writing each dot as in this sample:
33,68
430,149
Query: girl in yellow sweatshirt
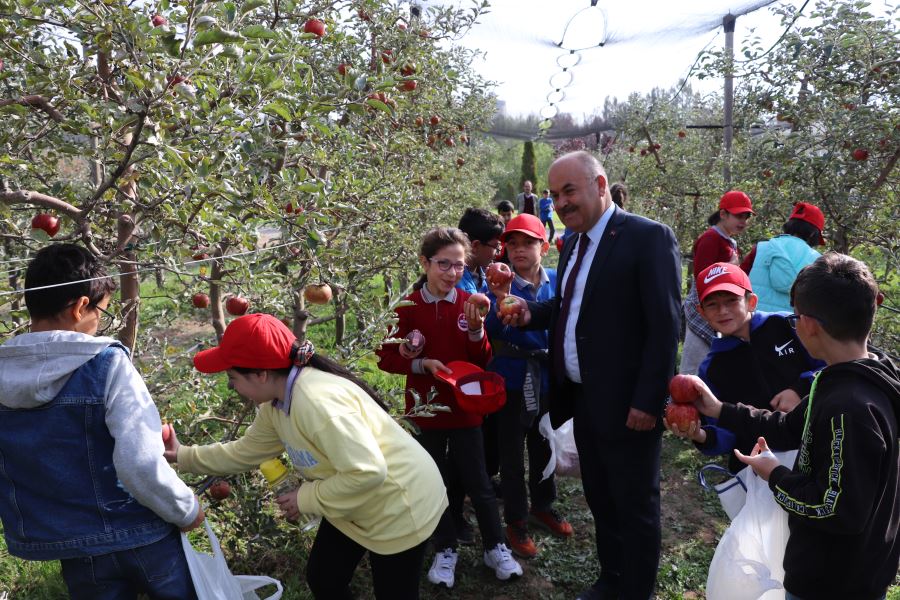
376,489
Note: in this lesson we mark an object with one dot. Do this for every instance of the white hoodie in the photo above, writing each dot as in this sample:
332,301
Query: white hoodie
34,367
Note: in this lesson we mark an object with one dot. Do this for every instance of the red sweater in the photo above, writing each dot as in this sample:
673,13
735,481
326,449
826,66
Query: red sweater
711,248
446,338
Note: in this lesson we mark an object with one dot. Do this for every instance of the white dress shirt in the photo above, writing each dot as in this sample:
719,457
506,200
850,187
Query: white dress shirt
570,349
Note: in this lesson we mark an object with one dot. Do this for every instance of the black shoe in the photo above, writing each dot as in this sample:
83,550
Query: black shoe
598,591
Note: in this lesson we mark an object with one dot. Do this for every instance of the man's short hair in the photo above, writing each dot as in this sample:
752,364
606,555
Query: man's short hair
505,206
481,225
64,263
840,292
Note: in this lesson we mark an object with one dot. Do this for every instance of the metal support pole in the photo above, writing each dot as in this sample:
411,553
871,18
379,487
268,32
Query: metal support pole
728,25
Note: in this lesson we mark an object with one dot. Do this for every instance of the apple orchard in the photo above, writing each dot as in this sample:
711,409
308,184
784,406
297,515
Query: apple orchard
286,157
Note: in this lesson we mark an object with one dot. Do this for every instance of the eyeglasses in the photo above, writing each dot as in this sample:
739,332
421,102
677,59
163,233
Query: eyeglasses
445,265
792,319
107,321
495,247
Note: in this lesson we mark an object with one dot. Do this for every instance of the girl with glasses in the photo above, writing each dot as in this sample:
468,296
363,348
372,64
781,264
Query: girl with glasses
454,330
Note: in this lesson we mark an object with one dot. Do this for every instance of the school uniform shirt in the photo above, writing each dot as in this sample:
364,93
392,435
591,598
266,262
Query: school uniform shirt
752,373
473,282
842,495
364,472
513,369
447,338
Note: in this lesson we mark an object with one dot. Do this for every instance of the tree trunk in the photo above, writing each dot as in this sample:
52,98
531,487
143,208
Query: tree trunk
129,285
388,290
217,316
340,320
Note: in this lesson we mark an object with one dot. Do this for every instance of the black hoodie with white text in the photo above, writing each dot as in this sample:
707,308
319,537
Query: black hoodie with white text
842,494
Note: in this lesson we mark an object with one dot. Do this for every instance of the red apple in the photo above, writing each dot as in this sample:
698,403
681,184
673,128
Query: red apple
682,134
408,85
512,305
408,69
219,490
47,223
364,15
499,273
415,341
767,173
860,154
656,146
317,293
481,302
201,256
315,27
342,69
460,162
200,300
682,415
631,149
159,21
419,121
167,431
643,152
435,120
449,142
387,56
401,26
237,306
683,389
423,33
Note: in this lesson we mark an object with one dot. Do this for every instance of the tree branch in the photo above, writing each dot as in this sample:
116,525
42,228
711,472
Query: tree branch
126,160
38,199
38,102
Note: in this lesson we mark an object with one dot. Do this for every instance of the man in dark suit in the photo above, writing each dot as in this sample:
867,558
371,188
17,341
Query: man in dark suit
614,326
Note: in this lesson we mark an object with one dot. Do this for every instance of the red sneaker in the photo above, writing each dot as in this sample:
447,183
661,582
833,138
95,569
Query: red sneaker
552,520
519,541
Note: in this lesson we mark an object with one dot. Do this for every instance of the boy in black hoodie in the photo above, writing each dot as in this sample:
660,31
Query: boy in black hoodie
842,494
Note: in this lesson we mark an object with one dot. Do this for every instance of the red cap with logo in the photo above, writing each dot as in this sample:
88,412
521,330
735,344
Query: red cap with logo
736,202
530,225
256,341
722,277
812,215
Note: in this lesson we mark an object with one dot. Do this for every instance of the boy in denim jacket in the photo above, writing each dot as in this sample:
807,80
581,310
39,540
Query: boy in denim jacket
520,356
82,474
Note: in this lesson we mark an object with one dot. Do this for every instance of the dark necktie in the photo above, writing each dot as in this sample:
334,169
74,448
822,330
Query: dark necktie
559,334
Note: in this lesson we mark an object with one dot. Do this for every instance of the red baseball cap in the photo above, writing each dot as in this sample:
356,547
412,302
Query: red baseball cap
722,277
257,341
530,225
812,215
736,202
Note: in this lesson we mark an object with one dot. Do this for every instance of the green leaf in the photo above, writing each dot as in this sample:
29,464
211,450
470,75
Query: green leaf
258,32
379,105
309,188
216,36
251,5
277,108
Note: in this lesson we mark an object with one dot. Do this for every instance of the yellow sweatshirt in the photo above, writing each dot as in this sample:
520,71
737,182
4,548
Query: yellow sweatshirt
365,473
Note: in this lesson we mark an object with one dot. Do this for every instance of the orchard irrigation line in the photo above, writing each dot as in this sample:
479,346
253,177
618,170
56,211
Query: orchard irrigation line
149,269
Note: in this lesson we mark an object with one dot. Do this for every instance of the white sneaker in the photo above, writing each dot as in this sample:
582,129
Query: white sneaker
501,560
443,568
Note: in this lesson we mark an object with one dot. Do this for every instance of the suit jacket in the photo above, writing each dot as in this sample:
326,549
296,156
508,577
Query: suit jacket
628,326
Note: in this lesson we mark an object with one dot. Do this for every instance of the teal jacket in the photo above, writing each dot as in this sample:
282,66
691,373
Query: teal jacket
775,268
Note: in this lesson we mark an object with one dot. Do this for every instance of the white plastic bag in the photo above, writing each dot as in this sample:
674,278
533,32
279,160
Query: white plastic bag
733,491
563,453
747,564
213,580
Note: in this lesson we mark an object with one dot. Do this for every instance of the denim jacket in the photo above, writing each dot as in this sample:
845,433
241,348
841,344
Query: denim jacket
60,496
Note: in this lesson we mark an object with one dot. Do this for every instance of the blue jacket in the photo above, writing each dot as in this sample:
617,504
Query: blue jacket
513,369
546,209
752,373
468,284
67,440
775,268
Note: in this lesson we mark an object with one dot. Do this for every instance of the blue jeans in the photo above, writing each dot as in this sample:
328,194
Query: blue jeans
158,570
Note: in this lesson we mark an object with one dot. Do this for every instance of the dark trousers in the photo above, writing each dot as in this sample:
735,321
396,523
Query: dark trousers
334,558
514,438
461,452
552,229
621,485
159,570
456,495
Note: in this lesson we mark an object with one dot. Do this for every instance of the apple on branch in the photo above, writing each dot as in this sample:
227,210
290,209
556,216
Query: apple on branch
237,306
317,293
46,223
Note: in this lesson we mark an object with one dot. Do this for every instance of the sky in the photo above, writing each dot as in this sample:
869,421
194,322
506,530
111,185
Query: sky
653,44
